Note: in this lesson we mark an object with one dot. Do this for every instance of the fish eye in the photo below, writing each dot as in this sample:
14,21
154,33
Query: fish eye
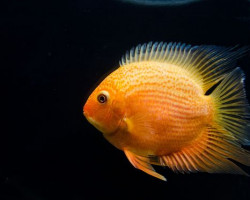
103,97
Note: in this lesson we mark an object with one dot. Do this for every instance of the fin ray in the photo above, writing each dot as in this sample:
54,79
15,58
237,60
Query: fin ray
143,164
231,107
207,65
212,153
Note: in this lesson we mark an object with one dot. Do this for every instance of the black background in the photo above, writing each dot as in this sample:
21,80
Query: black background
53,54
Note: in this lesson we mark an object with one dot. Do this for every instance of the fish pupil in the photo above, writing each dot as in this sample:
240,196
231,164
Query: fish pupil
102,98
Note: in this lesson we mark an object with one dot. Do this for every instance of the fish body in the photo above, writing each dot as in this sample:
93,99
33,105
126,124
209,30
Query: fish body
154,107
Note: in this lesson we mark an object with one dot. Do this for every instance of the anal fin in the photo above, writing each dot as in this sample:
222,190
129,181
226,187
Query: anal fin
143,163
213,152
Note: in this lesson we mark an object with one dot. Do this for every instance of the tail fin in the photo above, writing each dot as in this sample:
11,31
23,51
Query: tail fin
232,113
231,106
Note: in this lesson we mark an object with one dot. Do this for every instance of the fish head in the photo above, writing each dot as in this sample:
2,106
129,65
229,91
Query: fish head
104,107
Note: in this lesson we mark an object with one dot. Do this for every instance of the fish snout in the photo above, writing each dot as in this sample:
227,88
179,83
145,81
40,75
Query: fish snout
85,114
86,110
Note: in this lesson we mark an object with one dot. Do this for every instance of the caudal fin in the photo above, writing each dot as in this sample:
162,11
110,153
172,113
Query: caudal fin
232,114
231,106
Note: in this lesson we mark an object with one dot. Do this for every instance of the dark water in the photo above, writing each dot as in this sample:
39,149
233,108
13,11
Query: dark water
54,52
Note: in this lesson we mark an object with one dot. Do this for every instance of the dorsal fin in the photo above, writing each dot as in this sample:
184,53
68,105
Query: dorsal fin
205,64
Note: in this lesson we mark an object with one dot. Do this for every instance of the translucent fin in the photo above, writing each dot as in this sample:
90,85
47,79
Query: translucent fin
205,64
231,107
210,153
143,164
139,124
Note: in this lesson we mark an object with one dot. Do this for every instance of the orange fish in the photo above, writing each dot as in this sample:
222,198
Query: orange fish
175,105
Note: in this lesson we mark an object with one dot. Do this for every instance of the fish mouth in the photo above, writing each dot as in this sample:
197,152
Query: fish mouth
95,124
99,126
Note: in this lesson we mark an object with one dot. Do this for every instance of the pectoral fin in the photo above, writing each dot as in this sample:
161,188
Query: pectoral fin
139,124
143,163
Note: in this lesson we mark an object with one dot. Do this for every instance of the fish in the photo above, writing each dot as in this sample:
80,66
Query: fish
175,105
